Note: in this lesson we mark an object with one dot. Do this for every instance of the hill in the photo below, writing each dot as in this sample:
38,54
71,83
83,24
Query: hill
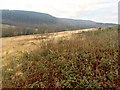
26,18
29,22
30,18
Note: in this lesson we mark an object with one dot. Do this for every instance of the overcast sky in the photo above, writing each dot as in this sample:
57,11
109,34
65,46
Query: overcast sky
96,10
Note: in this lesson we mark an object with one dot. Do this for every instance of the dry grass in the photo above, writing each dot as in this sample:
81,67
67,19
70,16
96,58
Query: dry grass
86,60
13,46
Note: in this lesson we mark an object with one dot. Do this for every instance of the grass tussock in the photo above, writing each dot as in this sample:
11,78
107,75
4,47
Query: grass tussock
87,60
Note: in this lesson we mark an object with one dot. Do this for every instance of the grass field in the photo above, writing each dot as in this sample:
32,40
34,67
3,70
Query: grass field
84,60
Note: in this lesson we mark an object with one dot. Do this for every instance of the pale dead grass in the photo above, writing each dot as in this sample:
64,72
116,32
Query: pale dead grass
11,46
19,74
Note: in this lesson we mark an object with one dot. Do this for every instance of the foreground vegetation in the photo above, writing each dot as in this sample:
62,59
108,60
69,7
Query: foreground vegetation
87,60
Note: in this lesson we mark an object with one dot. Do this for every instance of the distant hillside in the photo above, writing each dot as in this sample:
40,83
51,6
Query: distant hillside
27,18
28,22
35,19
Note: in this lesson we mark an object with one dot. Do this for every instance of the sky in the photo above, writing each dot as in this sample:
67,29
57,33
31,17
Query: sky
96,10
